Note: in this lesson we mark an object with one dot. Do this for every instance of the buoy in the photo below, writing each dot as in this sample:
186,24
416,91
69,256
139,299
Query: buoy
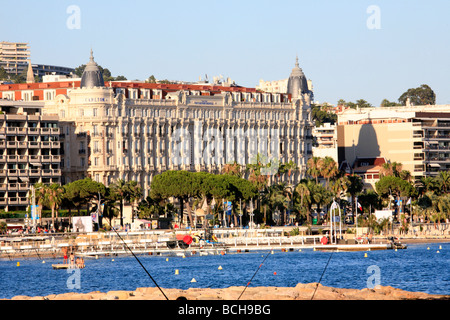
428,248
299,250
440,247
167,259
43,261
365,255
18,264
193,280
219,268
271,252
314,249
437,251
96,257
395,249
176,271
275,273
184,256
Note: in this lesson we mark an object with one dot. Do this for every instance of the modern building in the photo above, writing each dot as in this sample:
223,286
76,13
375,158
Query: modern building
29,151
418,137
14,56
325,144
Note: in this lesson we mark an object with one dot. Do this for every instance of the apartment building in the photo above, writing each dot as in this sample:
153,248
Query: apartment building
29,151
14,56
418,137
325,141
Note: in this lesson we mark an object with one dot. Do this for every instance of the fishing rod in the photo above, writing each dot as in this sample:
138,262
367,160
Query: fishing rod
148,273
254,274
322,275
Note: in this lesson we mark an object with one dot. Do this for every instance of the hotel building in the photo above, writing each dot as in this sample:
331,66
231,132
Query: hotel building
134,130
418,137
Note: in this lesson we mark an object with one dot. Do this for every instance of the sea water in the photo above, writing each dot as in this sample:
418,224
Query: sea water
414,269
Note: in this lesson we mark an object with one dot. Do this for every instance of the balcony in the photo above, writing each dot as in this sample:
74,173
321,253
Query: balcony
47,172
21,130
46,144
35,173
12,158
13,172
82,151
34,144
35,158
13,187
22,144
3,172
10,130
2,158
55,144
3,187
56,158
11,144
33,130
46,130
2,144
55,131
46,158
23,186
22,158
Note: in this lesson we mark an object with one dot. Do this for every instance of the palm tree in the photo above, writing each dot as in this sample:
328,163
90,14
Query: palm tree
302,191
279,197
329,169
126,191
233,169
40,194
120,189
355,186
444,180
54,196
391,169
314,165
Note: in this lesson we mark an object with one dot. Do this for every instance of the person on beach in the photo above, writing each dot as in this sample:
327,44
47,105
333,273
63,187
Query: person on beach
72,259
64,250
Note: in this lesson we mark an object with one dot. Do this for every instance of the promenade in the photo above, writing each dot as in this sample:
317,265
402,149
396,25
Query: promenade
164,242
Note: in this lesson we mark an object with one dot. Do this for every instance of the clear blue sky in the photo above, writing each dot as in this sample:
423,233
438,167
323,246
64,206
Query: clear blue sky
248,40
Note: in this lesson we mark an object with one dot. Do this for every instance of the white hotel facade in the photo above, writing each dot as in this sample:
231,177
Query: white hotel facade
134,131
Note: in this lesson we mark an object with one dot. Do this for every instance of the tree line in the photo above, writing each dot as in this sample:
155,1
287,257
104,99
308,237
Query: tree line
280,202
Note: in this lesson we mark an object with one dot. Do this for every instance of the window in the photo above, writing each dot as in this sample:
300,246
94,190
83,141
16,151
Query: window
96,161
95,112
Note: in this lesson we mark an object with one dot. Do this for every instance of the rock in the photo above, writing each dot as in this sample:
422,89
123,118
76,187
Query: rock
302,291
117,295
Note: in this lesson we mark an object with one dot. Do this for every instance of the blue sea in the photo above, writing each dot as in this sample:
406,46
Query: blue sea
414,269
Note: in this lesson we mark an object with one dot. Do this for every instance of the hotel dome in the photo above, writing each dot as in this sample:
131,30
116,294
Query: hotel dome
92,76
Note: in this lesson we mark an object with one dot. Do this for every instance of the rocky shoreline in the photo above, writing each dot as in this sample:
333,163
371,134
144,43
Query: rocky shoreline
299,292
